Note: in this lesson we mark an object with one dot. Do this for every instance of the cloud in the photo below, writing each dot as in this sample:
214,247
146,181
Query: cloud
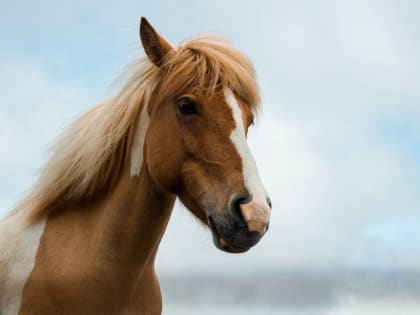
34,110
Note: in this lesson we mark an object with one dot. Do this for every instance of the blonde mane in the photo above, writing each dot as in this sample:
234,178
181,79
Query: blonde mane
89,157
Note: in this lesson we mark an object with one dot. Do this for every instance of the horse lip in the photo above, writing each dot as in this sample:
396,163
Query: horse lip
221,243
226,247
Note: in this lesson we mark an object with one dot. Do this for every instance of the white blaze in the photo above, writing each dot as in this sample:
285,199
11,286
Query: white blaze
238,137
18,247
138,143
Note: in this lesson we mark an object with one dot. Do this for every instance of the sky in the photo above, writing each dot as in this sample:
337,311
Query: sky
337,143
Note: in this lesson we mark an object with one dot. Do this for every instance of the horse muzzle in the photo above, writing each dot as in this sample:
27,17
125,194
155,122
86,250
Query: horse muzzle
245,225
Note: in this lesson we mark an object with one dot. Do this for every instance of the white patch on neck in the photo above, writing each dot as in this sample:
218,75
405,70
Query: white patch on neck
18,247
238,137
138,142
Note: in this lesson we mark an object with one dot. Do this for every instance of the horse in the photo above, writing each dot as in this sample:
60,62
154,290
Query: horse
85,238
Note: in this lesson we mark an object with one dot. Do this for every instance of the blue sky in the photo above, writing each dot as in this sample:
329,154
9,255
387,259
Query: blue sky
337,143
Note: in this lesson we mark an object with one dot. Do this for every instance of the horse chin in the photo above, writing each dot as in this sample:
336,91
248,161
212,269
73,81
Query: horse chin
228,248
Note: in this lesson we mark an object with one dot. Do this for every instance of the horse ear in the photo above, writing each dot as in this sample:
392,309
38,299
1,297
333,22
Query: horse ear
155,46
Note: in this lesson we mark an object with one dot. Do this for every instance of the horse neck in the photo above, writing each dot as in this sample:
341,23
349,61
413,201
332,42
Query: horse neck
121,230
133,218
102,253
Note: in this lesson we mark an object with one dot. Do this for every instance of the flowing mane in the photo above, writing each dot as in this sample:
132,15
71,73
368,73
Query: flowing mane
89,157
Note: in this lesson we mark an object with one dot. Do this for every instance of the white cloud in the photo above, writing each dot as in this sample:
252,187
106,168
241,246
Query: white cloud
34,110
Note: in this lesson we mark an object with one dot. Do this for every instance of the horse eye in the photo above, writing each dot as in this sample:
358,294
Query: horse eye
186,107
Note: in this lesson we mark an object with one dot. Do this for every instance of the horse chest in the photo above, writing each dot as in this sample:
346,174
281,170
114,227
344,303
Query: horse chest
90,292
50,276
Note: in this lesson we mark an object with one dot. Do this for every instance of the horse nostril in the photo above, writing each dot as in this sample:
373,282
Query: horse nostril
235,209
269,202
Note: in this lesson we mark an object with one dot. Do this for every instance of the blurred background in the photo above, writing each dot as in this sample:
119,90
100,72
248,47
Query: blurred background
337,143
